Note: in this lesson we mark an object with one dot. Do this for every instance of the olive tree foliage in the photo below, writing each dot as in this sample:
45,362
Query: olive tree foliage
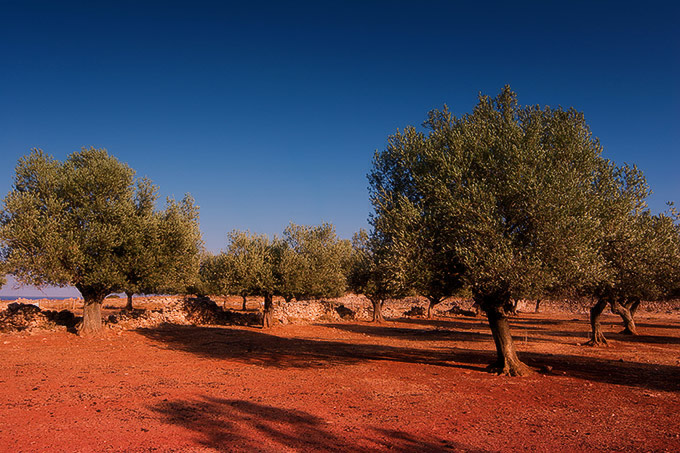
313,262
180,247
142,243
642,254
69,224
89,223
307,262
510,191
378,269
250,264
428,267
248,267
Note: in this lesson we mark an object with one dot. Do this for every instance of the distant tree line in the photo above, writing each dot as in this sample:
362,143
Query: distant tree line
304,263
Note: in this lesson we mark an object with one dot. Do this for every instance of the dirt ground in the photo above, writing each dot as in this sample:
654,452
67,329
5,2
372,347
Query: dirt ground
406,385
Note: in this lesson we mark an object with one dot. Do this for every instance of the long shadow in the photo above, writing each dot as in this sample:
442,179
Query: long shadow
257,347
609,323
544,323
411,334
451,333
611,371
658,326
260,348
240,425
649,339
446,323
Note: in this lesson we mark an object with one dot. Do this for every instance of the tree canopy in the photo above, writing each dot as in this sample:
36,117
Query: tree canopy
307,262
378,269
87,222
512,192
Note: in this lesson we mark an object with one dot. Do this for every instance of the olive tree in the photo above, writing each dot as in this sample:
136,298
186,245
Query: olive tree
511,190
430,269
142,243
307,262
377,270
248,268
179,247
313,262
641,254
70,223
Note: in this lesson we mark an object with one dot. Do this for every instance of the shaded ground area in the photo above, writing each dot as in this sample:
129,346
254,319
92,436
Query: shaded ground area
408,385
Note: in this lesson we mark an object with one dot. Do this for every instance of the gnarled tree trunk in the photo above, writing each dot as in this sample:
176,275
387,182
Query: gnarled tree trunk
537,308
92,310
244,302
433,301
129,295
507,362
627,317
633,306
268,314
377,310
597,336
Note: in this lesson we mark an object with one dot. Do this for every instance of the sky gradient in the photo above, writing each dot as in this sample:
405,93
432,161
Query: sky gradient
270,112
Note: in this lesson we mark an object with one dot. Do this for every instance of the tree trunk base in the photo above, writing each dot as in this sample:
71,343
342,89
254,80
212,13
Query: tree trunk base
596,335
507,362
597,340
377,312
508,368
92,320
268,313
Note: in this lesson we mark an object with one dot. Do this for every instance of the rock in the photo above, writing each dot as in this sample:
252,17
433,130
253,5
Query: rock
20,317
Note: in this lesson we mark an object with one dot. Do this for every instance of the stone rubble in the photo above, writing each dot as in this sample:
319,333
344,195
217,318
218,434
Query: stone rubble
21,317
29,317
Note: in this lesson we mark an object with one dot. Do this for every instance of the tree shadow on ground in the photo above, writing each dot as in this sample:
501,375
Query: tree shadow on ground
239,425
661,325
648,339
457,324
452,331
411,334
264,349
611,371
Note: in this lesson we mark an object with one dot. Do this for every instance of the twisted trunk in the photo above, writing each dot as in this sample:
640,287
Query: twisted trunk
268,314
377,310
507,362
92,310
433,301
129,295
244,302
627,317
633,306
597,336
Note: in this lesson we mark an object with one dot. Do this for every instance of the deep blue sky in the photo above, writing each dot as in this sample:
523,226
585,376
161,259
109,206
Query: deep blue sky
269,112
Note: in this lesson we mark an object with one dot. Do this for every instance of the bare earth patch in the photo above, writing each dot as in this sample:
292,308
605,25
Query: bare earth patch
407,385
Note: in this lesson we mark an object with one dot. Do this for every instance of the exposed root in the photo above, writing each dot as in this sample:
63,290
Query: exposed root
597,341
503,368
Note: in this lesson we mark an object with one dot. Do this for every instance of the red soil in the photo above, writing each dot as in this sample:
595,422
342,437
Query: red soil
412,385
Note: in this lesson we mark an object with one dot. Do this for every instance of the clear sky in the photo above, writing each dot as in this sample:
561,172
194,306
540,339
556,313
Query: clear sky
270,112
